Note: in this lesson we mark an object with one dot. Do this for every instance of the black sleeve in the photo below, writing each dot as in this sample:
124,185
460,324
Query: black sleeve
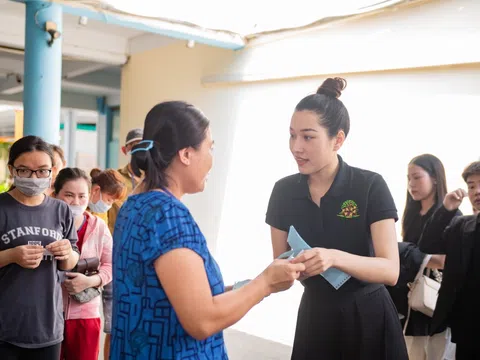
275,213
380,202
437,231
411,259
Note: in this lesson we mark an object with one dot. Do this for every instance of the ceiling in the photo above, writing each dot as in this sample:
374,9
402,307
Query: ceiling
93,54
79,76
98,36
248,18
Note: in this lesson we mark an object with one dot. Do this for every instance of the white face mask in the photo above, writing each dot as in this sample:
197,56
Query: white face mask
32,186
76,210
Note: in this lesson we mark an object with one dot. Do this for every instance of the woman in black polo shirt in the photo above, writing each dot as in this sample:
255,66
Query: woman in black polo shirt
347,216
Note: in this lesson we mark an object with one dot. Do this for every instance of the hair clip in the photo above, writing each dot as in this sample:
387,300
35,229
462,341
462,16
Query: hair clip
149,146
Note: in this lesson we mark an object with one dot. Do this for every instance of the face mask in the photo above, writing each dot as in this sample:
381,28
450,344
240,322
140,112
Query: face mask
31,186
77,210
100,206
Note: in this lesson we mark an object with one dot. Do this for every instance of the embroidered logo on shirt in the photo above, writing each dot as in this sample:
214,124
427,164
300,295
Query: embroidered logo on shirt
349,210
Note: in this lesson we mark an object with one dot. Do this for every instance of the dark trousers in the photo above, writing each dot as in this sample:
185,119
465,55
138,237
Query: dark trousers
12,352
467,350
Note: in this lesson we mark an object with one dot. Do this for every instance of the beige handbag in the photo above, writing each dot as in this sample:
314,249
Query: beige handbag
423,292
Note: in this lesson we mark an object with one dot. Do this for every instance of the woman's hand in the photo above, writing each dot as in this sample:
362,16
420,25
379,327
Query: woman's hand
76,283
61,249
316,261
436,262
27,256
281,274
454,199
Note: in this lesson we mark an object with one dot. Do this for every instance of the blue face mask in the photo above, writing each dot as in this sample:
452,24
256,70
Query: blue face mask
100,206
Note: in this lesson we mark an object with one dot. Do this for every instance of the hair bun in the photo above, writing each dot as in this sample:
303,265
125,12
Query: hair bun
95,172
332,87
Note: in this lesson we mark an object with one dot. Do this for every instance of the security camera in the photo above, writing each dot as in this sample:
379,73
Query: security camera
54,34
51,28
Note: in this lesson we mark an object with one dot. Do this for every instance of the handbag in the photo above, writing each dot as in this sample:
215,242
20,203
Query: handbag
86,295
423,292
87,267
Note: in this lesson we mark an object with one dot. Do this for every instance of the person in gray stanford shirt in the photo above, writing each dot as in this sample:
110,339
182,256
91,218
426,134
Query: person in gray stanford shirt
37,238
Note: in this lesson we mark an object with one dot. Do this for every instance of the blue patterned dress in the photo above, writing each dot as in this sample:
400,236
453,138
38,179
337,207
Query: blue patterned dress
145,325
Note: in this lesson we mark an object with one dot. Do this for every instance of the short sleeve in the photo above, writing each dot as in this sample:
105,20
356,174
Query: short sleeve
171,227
275,212
70,232
380,202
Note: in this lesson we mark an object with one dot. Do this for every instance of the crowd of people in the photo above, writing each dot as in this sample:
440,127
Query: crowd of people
160,289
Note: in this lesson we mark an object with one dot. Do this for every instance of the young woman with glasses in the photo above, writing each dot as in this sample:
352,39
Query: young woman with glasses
37,238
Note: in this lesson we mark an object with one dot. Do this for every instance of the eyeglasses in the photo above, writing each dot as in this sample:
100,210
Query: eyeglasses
40,173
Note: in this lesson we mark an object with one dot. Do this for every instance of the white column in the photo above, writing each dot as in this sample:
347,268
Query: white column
102,141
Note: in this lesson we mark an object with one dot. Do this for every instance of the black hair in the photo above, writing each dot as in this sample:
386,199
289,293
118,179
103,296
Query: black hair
472,169
28,144
172,126
59,151
69,174
434,167
332,113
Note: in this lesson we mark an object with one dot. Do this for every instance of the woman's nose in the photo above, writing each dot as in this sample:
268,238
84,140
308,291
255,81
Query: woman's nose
297,146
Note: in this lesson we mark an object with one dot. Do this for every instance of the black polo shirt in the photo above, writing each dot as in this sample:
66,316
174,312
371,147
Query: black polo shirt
356,199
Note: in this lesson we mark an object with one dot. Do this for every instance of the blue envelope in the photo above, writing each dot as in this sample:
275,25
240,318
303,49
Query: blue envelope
335,277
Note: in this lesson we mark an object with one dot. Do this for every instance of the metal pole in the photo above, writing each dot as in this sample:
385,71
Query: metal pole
43,70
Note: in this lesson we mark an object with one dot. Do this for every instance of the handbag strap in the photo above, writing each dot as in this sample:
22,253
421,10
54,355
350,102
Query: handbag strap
412,285
425,261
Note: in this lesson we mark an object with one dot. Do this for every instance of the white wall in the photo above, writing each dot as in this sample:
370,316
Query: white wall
391,123
395,116
174,73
